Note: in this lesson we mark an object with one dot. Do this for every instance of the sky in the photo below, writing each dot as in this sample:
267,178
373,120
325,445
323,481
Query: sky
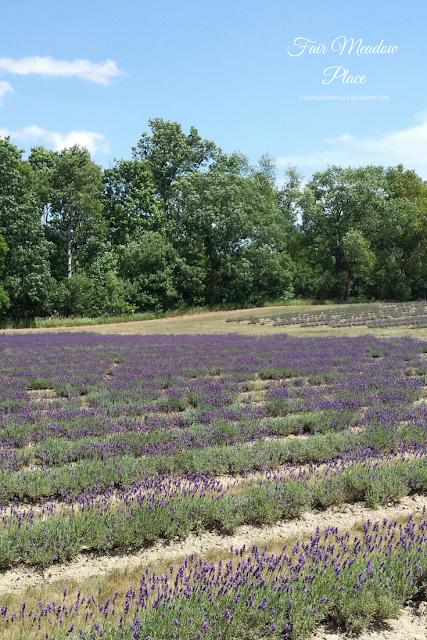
93,73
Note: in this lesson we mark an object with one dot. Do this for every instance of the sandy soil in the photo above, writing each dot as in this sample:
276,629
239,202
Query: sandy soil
90,564
411,625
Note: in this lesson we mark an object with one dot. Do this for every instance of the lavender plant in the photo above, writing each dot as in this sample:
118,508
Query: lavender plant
166,414
252,594
115,442
412,315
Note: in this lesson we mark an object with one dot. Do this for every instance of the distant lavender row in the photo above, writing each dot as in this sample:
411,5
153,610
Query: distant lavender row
162,397
410,314
147,383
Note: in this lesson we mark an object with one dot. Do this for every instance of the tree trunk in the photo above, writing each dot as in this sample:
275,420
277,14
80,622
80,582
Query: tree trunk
69,254
348,290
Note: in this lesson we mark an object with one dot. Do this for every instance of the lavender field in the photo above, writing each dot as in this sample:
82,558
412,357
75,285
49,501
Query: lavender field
408,315
116,442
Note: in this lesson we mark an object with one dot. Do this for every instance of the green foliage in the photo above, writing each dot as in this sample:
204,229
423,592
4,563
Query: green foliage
171,154
226,228
400,244
130,203
4,298
146,263
69,187
26,276
358,257
99,293
182,224
361,228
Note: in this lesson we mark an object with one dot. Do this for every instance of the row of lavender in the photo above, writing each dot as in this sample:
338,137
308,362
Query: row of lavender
156,476
349,578
167,508
165,414
160,397
409,314
170,404
187,387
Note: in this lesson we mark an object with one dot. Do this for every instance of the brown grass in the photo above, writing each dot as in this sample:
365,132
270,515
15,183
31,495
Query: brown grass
215,322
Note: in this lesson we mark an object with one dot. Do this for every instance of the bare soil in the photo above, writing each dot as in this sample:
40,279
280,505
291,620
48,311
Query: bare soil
410,625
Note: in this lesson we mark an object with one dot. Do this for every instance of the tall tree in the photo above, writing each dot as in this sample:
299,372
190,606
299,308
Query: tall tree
364,228
358,258
171,153
401,244
227,230
147,264
338,202
130,202
70,188
4,298
27,277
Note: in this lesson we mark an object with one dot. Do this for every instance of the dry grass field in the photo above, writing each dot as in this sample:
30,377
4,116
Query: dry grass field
215,322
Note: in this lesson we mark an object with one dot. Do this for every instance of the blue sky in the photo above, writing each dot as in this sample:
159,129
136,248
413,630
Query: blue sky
222,67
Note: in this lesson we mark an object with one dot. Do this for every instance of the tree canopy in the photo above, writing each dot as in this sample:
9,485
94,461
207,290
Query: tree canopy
26,277
182,223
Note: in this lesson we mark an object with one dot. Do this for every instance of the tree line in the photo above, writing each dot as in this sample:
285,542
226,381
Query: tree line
183,224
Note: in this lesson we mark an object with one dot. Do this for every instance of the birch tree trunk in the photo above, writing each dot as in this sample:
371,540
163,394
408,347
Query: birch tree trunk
69,253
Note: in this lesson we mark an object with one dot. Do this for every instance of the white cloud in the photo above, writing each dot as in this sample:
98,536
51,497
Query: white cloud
344,137
99,72
95,142
408,147
4,88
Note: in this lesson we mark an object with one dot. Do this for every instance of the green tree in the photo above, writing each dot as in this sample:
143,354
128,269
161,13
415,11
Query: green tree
401,243
337,202
228,231
130,202
4,298
147,264
69,189
363,229
358,257
26,277
171,153
94,292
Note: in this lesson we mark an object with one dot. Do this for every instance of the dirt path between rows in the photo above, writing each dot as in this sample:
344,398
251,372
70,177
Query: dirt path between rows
89,564
410,625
